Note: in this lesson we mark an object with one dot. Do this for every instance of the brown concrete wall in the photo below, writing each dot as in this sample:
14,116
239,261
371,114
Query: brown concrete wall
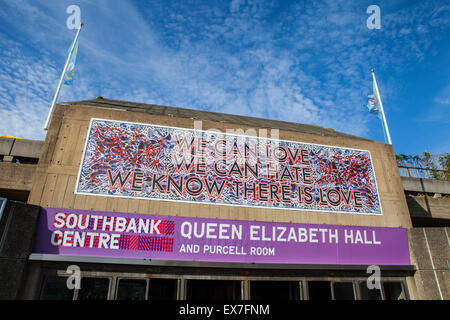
430,251
62,151
428,207
426,185
17,178
26,148
20,147
6,146
14,176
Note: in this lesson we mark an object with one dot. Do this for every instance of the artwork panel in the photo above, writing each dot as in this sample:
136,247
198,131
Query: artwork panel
145,161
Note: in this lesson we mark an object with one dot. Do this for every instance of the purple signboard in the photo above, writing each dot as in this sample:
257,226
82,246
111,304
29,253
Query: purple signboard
142,236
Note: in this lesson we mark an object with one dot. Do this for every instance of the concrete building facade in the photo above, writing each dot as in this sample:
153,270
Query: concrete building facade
53,181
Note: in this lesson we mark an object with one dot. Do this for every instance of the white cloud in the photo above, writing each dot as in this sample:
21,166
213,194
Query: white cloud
443,100
311,66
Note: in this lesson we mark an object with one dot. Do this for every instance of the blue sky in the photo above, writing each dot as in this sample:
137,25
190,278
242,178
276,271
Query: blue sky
300,61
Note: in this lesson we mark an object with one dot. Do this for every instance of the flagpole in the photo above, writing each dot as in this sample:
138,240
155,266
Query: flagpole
381,107
55,98
384,130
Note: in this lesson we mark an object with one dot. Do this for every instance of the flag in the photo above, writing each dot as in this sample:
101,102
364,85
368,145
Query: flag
68,76
375,106
373,103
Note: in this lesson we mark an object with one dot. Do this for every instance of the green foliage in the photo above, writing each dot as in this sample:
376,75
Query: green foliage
444,161
427,161
403,160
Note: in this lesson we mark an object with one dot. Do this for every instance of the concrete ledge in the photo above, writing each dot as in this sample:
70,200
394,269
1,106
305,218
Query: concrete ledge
20,147
426,185
198,264
428,207
27,148
6,146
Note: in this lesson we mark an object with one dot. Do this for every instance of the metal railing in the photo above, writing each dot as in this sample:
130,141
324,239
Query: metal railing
424,173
